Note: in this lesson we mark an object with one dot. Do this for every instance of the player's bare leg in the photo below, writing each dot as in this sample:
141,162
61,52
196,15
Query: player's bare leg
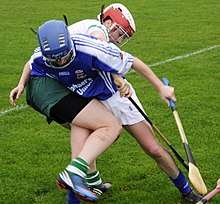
78,137
105,129
144,135
104,125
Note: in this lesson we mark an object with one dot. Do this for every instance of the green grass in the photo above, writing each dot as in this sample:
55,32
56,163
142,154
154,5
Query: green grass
32,152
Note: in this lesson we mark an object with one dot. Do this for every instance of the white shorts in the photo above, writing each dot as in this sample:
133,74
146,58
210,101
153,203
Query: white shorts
123,109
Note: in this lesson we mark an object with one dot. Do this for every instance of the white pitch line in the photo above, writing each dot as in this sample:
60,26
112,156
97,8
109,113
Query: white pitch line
185,56
22,106
18,107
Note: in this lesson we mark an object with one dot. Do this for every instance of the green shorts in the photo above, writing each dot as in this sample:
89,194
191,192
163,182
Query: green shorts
42,93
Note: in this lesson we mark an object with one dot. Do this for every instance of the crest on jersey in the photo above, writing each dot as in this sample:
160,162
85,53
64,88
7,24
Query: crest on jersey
80,74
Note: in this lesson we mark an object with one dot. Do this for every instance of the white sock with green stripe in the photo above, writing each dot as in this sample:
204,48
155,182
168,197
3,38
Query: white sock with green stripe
78,166
93,179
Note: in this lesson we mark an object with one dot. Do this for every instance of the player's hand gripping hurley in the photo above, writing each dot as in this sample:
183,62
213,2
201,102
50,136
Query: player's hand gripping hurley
194,174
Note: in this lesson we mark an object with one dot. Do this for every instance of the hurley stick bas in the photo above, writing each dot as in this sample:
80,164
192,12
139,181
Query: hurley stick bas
194,174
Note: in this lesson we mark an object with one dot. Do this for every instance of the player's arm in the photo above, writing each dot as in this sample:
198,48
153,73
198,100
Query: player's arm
98,35
166,92
18,90
99,31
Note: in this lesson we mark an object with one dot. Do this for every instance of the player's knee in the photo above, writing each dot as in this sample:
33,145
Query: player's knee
156,151
115,125
112,131
117,128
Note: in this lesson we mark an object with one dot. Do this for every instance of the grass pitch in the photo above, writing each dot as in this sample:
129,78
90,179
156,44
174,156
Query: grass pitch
32,153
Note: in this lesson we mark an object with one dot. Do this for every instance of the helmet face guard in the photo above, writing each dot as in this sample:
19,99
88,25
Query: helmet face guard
118,35
120,15
60,61
56,46
120,24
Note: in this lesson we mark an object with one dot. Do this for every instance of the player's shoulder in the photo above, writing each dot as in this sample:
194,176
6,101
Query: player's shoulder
94,47
95,24
88,39
36,56
89,27
91,22
37,53
85,23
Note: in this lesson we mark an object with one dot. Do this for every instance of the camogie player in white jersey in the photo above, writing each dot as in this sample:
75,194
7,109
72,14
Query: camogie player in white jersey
89,27
117,25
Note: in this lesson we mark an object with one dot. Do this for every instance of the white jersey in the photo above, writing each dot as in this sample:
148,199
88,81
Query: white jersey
121,107
87,27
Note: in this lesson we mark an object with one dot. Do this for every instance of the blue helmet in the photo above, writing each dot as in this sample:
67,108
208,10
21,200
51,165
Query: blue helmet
56,44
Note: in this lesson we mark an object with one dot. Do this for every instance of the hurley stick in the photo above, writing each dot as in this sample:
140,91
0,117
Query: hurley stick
194,174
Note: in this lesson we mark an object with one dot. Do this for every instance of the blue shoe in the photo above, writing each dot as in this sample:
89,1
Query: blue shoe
77,184
71,198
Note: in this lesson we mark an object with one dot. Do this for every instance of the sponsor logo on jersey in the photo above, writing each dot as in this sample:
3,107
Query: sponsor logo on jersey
64,73
80,74
81,87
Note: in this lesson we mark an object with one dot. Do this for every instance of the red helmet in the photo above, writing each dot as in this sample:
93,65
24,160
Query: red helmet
119,19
